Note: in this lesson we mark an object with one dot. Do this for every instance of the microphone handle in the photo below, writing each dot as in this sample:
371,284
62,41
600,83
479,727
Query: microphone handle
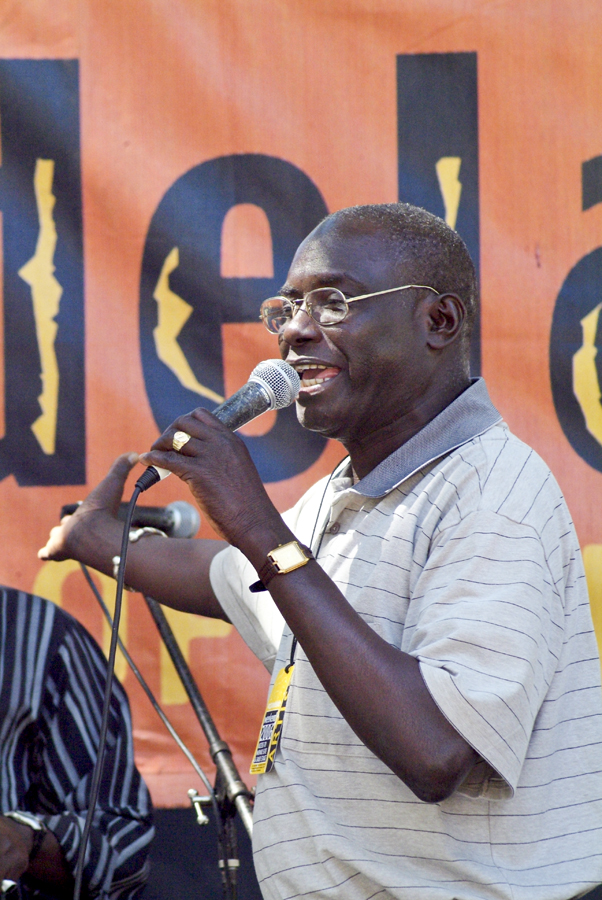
245,405
149,517
144,516
273,384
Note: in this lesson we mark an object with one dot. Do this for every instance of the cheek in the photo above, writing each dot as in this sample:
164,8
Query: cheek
374,360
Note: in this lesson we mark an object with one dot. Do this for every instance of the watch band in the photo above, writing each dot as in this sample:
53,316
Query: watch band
38,827
273,567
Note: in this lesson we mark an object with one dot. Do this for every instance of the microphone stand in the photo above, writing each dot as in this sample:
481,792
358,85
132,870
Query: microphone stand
231,792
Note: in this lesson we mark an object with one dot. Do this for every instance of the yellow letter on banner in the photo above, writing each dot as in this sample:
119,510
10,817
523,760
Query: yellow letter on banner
172,315
585,376
592,560
49,583
448,172
46,294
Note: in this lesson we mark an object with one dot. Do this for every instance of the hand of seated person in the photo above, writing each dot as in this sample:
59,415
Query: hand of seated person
16,841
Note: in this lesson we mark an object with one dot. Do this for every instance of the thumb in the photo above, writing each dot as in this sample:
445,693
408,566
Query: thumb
107,494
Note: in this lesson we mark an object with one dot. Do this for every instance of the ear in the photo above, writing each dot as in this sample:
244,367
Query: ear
446,315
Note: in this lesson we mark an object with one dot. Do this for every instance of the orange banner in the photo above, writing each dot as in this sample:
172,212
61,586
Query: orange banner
161,161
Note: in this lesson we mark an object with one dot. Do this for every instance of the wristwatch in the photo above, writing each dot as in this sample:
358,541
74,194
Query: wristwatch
39,829
285,558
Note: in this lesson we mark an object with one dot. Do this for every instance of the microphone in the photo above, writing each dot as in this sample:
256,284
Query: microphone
273,384
178,519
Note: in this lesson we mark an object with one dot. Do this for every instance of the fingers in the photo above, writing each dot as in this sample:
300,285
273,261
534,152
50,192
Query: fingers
174,461
198,424
107,495
103,500
188,436
55,542
116,477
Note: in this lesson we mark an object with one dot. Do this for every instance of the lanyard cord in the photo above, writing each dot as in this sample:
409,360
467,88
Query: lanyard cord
291,661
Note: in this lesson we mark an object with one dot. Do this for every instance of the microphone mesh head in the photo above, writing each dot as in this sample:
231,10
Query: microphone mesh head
185,518
280,378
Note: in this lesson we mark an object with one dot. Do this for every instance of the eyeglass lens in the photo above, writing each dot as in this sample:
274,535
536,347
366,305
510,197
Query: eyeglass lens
326,306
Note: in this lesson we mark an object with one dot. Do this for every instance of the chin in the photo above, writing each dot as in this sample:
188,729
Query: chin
313,420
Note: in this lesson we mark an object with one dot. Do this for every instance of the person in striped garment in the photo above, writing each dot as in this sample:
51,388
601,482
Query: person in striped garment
52,682
435,731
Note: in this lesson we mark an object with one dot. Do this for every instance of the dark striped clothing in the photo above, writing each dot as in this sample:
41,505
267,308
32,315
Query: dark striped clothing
459,550
52,680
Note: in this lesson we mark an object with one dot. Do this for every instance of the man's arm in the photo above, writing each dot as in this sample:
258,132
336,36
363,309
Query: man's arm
378,689
174,572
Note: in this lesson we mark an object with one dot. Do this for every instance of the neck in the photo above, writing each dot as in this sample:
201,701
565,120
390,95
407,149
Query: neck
370,450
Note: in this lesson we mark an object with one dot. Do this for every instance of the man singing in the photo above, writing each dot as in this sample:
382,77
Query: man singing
426,615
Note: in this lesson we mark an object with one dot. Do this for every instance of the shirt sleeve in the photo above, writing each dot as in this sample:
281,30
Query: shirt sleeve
255,616
116,864
486,624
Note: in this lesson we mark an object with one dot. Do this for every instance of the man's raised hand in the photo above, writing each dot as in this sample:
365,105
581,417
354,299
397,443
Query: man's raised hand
81,535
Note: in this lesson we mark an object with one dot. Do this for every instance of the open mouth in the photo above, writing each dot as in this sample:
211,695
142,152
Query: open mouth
316,375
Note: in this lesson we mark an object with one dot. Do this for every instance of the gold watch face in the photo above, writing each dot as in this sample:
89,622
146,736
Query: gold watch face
288,557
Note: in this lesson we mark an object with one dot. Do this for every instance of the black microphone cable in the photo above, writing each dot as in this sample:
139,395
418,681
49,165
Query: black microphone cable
146,480
104,722
221,836
273,384
146,688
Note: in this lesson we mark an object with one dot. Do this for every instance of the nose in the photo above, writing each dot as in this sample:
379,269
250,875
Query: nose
299,329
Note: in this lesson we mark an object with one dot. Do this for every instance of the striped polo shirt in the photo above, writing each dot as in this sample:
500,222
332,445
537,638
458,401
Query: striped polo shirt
459,550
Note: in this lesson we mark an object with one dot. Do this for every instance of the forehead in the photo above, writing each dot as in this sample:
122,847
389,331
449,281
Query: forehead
330,255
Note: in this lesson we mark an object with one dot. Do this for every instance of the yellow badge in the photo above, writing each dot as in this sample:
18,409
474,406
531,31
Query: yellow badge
271,727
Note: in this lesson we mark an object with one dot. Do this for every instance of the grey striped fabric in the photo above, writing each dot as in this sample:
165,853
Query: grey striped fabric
52,678
471,564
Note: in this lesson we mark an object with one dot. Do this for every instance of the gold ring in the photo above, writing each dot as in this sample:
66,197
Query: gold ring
179,439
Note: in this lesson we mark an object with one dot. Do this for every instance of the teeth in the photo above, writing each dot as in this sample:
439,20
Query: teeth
309,382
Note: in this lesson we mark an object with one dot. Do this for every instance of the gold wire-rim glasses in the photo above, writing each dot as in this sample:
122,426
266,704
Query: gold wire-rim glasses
331,303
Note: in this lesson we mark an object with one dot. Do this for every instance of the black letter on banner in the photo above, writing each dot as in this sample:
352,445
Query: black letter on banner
40,200
576,339
437,122
190,218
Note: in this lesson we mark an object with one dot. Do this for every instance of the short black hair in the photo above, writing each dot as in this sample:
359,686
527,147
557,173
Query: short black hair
435,253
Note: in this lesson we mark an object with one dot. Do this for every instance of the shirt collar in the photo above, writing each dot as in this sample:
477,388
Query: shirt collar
470,414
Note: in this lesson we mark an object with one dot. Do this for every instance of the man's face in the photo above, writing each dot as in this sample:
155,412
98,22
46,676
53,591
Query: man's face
371,370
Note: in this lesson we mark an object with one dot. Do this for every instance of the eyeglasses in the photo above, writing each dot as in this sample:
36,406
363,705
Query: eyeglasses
326,306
